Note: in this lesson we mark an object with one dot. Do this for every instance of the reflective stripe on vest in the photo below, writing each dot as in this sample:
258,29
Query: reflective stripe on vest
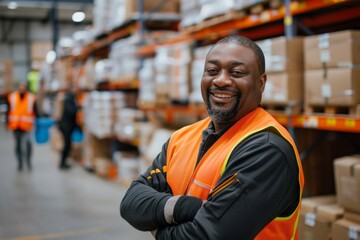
199,180
21,114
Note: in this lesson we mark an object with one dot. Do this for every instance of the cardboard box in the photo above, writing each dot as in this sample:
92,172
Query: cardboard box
338,49
347,180
310,204
170,6
94,148
335,86
352,216
283,88
6,83
39,49
345,230
56,139
6,77
330,212
102,166
283,54
316,217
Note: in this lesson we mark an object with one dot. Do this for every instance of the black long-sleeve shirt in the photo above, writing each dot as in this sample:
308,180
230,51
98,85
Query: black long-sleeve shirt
268,188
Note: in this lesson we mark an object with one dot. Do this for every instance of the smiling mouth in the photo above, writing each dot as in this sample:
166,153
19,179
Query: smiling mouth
222,95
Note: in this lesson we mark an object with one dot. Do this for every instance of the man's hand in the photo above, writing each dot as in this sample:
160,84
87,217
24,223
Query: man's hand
157,180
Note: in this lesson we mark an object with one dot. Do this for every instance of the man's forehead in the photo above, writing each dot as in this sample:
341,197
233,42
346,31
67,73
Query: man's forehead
234,48
229,51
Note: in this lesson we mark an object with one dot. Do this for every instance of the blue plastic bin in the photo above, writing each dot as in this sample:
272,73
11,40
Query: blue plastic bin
77,136
42,129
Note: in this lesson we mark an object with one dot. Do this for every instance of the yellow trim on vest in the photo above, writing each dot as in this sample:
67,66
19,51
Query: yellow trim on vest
237,143
277,218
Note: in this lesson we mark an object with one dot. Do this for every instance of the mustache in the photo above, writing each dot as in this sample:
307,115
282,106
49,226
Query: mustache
227,89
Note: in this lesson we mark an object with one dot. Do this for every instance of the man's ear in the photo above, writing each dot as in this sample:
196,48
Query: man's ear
262,82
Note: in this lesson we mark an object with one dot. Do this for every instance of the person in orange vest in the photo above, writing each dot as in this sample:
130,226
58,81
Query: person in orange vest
21,116
236,174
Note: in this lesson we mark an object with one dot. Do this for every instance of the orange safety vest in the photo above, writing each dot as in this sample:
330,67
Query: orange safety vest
21,114
200,180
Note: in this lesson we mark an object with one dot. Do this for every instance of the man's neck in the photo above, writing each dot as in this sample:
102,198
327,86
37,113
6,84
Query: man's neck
22,95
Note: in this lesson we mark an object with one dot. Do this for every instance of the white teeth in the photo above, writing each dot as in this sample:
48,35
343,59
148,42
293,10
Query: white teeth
222,96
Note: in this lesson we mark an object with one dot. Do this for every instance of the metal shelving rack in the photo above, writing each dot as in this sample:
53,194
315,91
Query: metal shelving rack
315,133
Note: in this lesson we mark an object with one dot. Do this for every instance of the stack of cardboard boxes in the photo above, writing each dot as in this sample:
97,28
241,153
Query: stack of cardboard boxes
172,64
6,77
335,217
110,14
347,179
332,70
197,69
39,50
317,216
284,68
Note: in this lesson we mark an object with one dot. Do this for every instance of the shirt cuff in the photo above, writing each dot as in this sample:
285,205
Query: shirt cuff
169,209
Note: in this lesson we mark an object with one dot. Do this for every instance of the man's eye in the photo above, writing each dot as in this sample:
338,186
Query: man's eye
211,71
237,73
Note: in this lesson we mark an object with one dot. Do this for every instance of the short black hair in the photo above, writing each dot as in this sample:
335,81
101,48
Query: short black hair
246,42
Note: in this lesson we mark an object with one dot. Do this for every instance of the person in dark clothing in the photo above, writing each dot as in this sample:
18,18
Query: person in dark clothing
236,174
20,118
67,124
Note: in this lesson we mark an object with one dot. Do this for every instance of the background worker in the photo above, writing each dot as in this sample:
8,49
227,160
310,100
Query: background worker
67,124
20,119
234,175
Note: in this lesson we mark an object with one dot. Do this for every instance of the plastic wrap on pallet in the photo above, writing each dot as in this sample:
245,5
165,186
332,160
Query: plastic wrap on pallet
86,79
172,64
147,75
102,70
102,17
119,15
212,8
81,39
128,125
100,110
125,63
189,11
128,166
197,69
125,10
241,4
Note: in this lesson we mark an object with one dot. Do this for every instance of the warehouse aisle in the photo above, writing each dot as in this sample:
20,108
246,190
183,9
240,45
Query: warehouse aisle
50,204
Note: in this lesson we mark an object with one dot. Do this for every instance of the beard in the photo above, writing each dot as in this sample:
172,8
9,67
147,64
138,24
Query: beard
223,115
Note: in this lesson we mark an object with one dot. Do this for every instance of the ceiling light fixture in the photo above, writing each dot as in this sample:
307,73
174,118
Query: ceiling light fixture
12,5
78,16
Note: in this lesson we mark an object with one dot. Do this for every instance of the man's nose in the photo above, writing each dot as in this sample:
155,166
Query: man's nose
222,79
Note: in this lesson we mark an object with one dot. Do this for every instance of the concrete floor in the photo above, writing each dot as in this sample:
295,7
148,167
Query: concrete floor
50,204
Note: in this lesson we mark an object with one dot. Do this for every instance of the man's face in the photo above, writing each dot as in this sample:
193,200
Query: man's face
232,84
22,87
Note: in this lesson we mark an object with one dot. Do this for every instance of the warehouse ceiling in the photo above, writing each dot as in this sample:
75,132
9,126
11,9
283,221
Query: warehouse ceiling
42,10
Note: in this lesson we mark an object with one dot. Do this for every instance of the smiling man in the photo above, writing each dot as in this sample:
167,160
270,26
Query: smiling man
234,175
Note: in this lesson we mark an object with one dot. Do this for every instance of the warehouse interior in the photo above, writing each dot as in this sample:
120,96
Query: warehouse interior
135,67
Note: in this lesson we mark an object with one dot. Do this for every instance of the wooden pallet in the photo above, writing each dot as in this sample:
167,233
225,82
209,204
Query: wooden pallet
289,109
347,110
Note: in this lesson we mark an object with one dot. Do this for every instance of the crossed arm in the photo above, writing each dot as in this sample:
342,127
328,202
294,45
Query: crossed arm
265,187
